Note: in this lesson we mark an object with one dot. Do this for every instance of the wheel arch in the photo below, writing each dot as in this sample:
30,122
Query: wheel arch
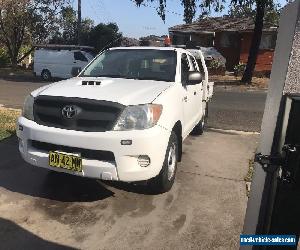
178,131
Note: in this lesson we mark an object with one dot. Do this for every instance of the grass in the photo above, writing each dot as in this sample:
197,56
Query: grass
8,118
250,172
249,176
257,82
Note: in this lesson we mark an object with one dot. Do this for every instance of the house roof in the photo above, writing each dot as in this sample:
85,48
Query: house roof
225,23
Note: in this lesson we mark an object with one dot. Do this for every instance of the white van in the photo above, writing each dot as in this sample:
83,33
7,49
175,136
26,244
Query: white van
60,61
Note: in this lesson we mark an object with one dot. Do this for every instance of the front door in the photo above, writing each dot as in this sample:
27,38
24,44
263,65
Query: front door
187,97
199,105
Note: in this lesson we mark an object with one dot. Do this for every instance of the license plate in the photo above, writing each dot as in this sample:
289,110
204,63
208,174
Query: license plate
65,161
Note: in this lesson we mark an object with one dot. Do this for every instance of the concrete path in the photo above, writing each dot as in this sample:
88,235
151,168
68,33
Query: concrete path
204,210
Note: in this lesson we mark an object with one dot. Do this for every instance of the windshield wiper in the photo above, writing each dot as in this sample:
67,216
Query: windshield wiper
129,77
105,75
153,79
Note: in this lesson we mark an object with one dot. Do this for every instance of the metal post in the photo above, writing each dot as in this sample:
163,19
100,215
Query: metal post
261,201
79,23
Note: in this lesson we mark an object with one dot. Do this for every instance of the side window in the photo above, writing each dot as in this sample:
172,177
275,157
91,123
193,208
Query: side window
185,68
193,60
201,69
78,56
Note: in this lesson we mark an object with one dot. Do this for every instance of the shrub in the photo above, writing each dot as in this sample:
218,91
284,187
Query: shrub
239,69
215,64
4,59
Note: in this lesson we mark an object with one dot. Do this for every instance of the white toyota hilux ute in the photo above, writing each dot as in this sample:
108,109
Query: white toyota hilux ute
123,118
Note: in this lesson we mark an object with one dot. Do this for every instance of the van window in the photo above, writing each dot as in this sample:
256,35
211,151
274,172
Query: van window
78,56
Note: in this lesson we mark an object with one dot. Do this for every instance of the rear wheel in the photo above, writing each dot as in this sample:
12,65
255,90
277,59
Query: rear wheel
46,75
164,181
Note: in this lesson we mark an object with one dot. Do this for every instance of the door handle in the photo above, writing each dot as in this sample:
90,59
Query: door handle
185,98
195,93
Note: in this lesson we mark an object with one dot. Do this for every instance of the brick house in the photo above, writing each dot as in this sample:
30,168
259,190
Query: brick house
231,37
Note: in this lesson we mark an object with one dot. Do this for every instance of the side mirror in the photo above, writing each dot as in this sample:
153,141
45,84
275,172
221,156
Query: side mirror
194,77
75,71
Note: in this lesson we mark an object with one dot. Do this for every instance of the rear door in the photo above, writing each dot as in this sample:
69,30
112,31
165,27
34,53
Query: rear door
60,63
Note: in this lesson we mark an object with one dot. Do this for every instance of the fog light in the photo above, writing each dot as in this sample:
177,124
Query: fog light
21,145
144,161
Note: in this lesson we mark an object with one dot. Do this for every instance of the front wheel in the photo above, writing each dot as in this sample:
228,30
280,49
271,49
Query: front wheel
165,180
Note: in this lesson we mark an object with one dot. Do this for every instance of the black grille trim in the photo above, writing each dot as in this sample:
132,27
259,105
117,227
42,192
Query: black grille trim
93,115
99,155
91,83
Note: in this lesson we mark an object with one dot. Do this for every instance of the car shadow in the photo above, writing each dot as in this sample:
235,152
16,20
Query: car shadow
18,176
136,187
20,78
15,237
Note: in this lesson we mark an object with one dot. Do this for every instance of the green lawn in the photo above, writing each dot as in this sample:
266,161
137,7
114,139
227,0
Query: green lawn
8,118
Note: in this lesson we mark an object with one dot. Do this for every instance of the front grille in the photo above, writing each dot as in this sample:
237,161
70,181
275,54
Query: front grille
91,115
99,155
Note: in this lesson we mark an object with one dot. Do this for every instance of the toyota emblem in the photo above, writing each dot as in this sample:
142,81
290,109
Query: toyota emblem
69,111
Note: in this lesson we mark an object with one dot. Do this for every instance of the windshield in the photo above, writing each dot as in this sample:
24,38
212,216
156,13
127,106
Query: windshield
143,64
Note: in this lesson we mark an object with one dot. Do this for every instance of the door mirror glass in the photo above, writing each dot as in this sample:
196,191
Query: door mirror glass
194,77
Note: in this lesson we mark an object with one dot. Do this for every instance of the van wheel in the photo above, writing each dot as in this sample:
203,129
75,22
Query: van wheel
165,180
46,75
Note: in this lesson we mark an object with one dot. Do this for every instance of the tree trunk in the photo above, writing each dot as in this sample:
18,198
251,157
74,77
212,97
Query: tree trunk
14,58
254,49
25,55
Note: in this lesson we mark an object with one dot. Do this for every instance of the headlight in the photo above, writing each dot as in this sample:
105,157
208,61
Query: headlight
139,117
28,107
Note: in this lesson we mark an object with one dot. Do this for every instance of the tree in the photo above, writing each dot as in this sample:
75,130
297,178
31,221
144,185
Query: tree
103,35
218,5
272,13
97,36
26,21
66,33
261,7
241,11
262,11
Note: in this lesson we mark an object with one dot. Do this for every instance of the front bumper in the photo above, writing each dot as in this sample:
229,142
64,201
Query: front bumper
152,142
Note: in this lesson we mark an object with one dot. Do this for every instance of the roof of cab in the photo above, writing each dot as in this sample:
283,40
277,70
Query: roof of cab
150,48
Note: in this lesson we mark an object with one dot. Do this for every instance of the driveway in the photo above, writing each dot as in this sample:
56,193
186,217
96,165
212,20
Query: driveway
204,210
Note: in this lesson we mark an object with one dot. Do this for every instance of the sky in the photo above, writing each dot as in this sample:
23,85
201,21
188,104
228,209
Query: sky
133,21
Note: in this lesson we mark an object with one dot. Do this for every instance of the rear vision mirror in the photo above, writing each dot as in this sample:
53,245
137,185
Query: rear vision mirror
194,77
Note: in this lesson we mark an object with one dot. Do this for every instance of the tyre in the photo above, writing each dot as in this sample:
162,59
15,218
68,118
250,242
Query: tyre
46,75
164,181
